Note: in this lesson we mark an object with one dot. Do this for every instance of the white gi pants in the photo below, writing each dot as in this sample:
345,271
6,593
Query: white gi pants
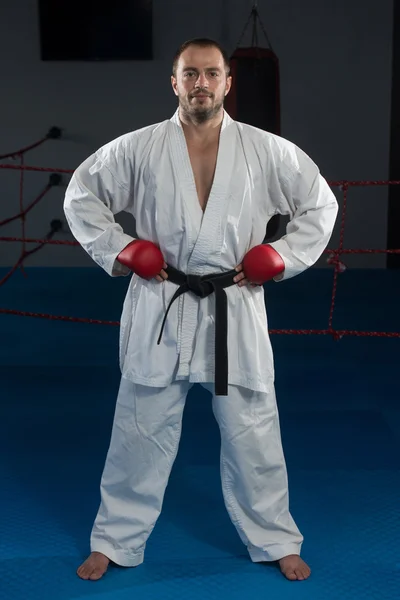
144,444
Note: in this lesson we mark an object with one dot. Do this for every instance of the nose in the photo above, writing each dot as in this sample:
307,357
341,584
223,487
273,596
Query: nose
202,81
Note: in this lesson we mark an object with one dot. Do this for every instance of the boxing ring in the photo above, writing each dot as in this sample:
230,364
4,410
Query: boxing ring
338,395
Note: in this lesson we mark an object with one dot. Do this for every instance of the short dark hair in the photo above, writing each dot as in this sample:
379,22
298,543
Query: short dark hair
202,43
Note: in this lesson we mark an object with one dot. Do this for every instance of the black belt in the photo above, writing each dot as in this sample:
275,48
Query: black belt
203,286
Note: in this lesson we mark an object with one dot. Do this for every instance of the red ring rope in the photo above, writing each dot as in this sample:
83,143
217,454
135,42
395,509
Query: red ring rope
334,255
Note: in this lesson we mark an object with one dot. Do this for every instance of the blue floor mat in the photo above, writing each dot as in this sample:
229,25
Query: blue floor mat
340,418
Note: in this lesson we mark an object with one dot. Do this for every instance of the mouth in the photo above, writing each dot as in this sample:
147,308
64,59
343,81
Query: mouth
201,96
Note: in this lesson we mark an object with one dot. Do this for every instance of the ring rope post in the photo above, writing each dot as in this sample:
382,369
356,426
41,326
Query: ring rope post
336,258
23,214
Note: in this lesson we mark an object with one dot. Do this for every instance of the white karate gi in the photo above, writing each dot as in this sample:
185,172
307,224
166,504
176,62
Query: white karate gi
148,173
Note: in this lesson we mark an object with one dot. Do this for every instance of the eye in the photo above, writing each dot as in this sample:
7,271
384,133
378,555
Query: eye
214,73
189,74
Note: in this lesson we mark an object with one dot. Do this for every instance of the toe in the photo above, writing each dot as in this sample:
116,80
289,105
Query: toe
85,571
82,573
306,571
291,575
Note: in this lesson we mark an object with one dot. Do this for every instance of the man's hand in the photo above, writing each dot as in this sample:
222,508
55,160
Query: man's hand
144,258
162,275
262,263
240,279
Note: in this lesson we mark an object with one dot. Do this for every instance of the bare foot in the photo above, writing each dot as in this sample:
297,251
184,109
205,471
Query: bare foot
94,567
294,568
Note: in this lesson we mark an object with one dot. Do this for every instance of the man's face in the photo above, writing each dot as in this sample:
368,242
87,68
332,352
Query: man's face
201,83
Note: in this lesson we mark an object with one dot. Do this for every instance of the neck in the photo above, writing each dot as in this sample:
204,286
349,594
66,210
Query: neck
201,131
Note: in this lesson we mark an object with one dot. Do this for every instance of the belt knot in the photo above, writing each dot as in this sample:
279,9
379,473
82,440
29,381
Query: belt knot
199,286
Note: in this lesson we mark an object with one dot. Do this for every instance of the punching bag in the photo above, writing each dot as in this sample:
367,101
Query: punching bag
254,97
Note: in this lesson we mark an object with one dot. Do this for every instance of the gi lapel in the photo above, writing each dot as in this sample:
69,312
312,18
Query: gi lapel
207,224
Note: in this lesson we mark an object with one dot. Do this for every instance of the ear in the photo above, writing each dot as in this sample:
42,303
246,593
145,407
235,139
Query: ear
228,85
174,85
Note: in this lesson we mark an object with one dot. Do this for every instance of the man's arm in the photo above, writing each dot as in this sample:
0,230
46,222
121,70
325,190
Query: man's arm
100,188
312,208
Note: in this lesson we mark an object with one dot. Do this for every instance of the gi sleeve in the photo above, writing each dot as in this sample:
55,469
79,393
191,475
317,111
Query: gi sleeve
306,197
100,188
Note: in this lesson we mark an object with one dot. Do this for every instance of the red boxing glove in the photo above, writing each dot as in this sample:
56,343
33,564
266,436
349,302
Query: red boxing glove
262,263
143,258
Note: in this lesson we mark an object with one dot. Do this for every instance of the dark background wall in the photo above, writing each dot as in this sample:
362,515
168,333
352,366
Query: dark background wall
336,101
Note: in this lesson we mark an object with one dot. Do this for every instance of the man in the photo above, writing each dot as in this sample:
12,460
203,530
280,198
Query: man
202,189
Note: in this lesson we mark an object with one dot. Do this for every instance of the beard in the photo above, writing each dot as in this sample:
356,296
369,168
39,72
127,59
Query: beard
200,111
